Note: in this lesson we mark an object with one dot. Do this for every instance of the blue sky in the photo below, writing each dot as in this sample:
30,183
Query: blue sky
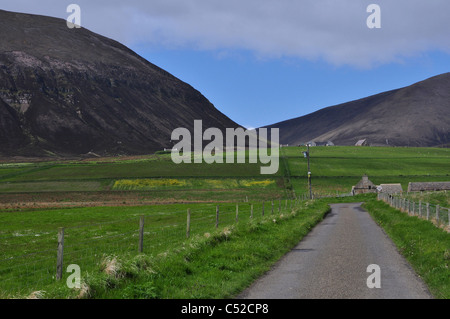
255,93
265,61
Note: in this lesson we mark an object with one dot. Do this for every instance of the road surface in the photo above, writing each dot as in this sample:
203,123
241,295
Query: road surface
332,261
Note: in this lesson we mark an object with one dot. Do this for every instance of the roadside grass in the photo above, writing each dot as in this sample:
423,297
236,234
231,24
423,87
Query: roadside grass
29,238
426,247
211,264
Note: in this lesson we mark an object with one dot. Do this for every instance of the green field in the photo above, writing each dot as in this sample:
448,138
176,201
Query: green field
339,168
99,204
333,169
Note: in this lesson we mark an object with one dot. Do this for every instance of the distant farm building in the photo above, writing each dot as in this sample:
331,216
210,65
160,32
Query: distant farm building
364,186
428,186
328,143
362,143
390,188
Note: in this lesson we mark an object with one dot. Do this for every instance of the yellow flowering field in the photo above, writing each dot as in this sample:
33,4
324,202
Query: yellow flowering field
149,184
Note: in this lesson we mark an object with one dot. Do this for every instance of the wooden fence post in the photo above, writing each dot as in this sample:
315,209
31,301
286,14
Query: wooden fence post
428,211
237,213
188,223
420,208
141,234
217,216
60,255
263,209
272,208
449,216
438,208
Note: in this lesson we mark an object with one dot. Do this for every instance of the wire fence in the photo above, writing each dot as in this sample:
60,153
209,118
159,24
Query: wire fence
440,216
31,261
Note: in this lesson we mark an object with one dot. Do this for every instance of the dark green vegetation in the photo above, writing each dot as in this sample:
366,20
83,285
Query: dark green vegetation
426,247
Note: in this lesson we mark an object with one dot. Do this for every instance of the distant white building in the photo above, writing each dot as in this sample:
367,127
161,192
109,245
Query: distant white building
361,143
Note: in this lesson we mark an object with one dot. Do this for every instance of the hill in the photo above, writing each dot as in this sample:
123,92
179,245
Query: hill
69,92
417,115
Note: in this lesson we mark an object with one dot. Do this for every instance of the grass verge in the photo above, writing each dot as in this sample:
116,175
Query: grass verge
216,265
426,247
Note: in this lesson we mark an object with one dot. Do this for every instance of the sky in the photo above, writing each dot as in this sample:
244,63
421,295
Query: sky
261,62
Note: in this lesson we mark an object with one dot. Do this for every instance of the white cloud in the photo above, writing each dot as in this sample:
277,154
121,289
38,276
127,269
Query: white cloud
333,30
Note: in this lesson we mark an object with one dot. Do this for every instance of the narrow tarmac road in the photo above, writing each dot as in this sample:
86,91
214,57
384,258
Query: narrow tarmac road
331,263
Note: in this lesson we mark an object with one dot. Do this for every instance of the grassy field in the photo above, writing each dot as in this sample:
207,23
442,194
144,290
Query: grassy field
339,168
441,198
216,264
334,169
93,234
99,203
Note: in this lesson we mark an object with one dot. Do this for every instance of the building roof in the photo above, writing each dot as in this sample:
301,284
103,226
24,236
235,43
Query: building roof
390,188
428,186
365,183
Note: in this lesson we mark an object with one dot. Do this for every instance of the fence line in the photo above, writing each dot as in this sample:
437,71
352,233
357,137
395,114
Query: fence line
435,213
86,245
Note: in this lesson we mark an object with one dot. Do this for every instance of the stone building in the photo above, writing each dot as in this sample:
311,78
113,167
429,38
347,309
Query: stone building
390,188
364,186
428,186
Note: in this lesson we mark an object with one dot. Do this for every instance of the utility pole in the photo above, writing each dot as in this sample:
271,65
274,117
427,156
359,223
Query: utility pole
306,154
